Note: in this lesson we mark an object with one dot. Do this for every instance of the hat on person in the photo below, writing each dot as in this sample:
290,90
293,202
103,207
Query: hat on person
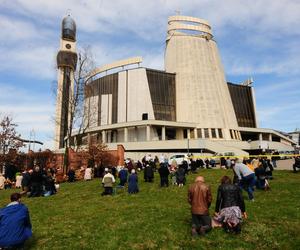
106,169
133,171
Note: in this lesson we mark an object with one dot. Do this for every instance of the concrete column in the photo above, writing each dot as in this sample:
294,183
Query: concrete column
209,133
270,137
125,134
217,133
195,133
260,136
103,136
135,134
148,132
236,134
202,133
163,133
188,133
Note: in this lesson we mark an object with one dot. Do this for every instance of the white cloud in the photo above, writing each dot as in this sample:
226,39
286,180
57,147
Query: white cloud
263,38
30,60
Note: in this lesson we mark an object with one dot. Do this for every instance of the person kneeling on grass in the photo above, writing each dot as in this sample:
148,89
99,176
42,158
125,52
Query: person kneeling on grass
108,182
15,226
230,206
199,196
133,183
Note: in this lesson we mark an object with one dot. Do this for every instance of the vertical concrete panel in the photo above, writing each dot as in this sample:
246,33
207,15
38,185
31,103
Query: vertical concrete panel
139,99
106,109
122,96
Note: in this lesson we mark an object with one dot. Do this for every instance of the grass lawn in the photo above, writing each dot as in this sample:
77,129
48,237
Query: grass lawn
78,217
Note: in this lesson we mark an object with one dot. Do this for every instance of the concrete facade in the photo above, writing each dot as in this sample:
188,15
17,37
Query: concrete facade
187,107
201,90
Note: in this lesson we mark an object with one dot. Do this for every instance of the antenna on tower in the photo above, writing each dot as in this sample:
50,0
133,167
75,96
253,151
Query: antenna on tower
68,12
177,12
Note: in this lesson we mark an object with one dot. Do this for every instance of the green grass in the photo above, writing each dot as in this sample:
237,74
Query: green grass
78,217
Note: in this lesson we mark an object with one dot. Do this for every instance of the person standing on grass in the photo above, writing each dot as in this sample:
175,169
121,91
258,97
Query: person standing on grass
246,178
200,198
108,182
133,183
15,226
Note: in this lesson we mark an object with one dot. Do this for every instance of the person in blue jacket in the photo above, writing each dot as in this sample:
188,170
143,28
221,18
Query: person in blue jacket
133,183
15,226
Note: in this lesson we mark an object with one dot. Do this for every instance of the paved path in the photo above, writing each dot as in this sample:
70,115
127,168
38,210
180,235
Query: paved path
285,164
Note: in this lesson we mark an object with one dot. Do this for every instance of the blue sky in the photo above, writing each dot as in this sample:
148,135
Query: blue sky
256,38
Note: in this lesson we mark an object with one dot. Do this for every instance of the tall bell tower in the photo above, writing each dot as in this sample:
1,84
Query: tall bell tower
66,64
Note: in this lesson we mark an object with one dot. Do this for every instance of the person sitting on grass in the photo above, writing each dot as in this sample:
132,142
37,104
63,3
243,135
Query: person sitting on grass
230,206
108,182
261,180
50,188
15,226
199,197
71,175
133,183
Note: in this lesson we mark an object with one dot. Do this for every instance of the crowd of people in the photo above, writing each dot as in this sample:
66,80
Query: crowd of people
229,211
32,182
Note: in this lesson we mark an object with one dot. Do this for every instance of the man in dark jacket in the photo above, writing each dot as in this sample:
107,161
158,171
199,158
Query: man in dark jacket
36,183
164,173
148,173
15,226
26,182
200,198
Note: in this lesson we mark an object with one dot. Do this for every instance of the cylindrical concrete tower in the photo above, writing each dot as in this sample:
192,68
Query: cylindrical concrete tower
202,95
66,64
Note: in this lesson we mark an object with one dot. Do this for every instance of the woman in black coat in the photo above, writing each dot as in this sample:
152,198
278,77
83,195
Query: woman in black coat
230,206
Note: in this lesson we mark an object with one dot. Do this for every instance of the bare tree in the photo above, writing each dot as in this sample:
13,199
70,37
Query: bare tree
9,140
76,119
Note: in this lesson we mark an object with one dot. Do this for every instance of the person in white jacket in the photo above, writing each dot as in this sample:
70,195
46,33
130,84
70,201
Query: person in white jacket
2,181
88,174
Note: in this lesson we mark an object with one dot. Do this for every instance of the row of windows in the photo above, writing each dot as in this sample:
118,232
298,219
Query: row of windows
162,91
242,100
215,133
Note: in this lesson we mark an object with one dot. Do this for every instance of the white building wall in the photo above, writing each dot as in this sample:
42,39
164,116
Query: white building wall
122,99
202,95
93,111
138,99
106,109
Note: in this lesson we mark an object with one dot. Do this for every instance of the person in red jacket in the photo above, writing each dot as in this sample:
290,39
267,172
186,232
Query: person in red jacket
200,198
